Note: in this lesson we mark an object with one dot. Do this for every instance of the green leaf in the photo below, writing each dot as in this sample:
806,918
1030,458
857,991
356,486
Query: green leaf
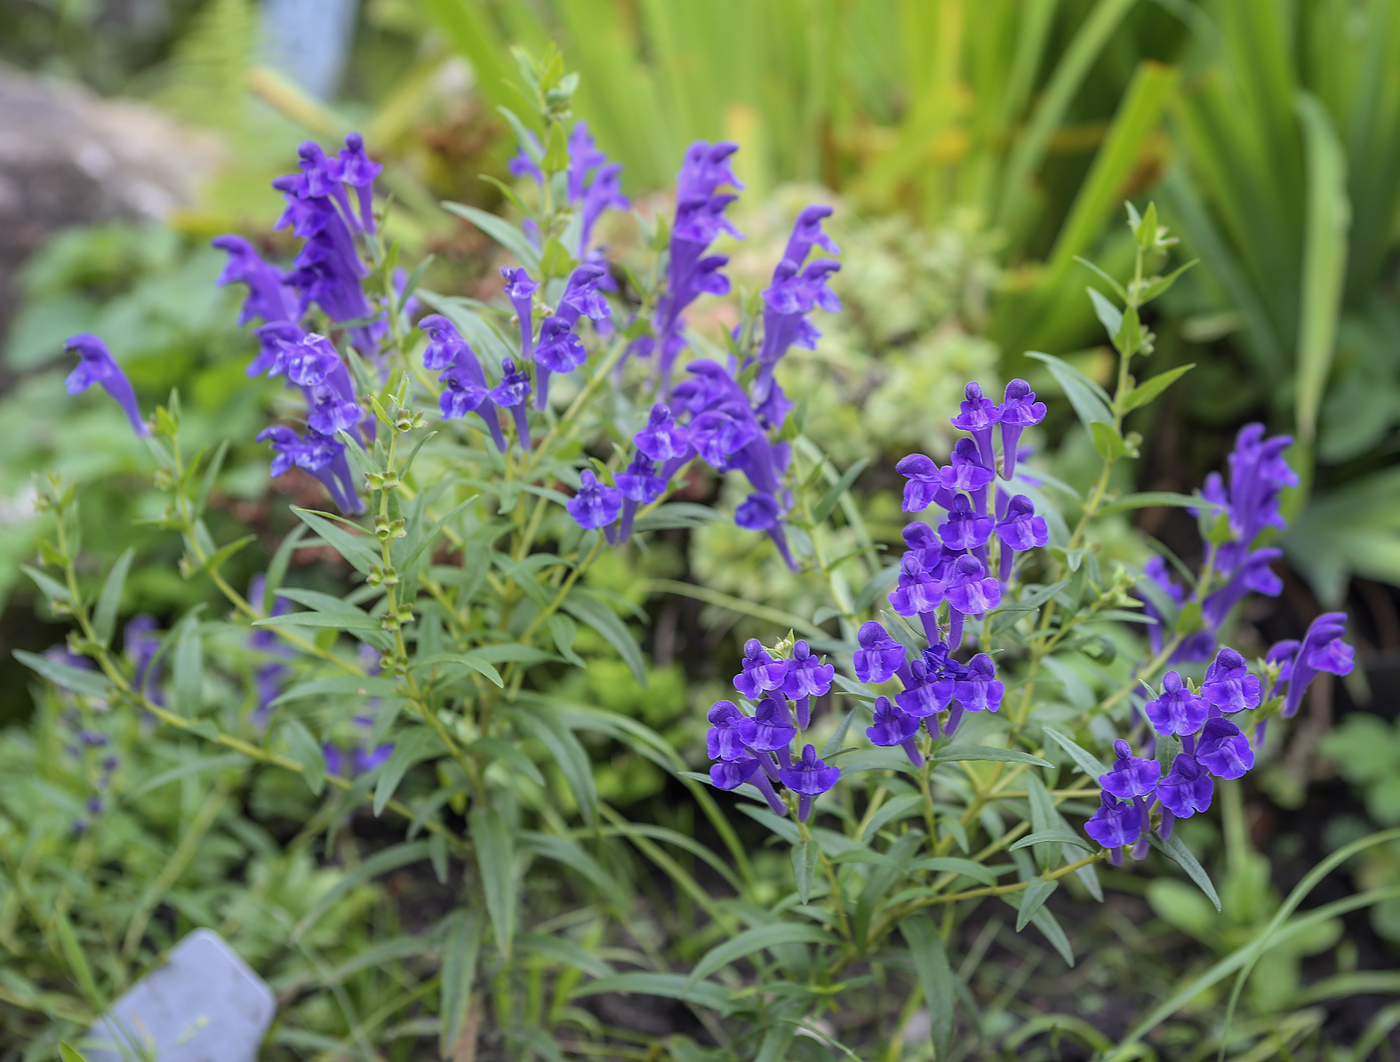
410,748
1090,401
50,587
669,986
589,610
1158,286
515,761
104,616
354,548
356,620
1129,339
1055,835
953,865
502,231
1174,847
382,862
307,751
339,686
757,939
566,751
68,1054
459,958
187,669
495,862
1158,498
935,977
1328,220
1148,390
194,765
1085,760
804,867
987,752
65,676
1109,315
77,962
832,496
1107,440
216,560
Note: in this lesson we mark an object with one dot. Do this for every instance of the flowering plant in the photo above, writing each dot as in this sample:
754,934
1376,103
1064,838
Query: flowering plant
482,457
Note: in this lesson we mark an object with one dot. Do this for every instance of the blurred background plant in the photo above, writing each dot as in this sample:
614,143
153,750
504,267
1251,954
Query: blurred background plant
973,151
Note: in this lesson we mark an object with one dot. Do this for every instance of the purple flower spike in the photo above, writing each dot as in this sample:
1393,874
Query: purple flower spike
893,726
760,672
268,297
358,170
979,690
879,655
1228,684
98,367
663,439
773,728
1186,789
1224,750
1130,776
1115,824
1322,650
807,232
1019,411
978,417
925,486
808,777
964,529
730,733
595,505
807,677
1177,710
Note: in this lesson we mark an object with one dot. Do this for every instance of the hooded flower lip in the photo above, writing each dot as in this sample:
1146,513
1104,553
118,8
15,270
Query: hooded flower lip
99,367
1186,789
970,590
1177,710
1115,824
268,297
927,689
662,439
1019,410
809,776
595,505
925,486
963,528
1020,529
773,728
640,482
732,773
730,733
758,512
978,416
918,592
1223,749
1322,650
893,726
966,470
1228,684
806,675
759,672
879,655
560,349
979,690
1130,776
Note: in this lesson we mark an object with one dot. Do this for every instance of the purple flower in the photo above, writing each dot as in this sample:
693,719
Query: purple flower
1019,411
640,483
1322,650
759,672
446,346
275,342
807,677
520,290
928,690
729,734
1115,824
330,413
1186,789
978,416
1020,529
716,435
514,387
595,505
268,297
141,645
367,759
808,777
925,486
320,455
1258,475
893,727
98,367
773,728
358,170
581,296
662,439
965,529
879,655
461,396
966,471
1223,749
731,774
312,361
758,512
1247,572
523,163
560,350
807,232
1228,684
1130,776
970,590
918,592
979,690
1177,710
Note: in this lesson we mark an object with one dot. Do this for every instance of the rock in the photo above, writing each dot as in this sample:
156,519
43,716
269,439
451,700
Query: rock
68,157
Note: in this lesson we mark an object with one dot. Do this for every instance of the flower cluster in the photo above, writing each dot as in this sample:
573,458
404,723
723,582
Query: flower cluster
758,748
593,184
714,415
1207,718
328,273
1239,513
953,564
